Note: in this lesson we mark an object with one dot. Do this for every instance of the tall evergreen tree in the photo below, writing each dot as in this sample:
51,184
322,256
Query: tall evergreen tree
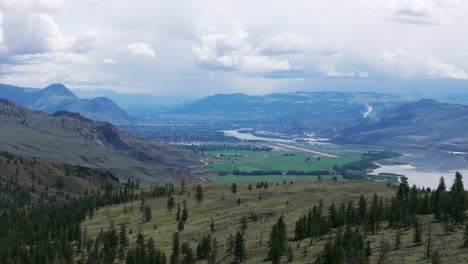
170,203
199,194
175,257
239,248
417,236
458,196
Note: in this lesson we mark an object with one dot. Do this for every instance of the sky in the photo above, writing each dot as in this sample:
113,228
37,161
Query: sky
202,47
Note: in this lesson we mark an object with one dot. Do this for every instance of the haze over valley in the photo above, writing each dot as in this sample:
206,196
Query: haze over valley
229,132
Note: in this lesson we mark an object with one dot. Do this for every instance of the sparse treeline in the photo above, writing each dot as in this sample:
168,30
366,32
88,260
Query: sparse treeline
400,211
358,170
221,147
277,172
45,230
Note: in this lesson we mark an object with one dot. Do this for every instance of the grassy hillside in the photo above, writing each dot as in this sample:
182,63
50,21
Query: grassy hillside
69,137
39,174
291,200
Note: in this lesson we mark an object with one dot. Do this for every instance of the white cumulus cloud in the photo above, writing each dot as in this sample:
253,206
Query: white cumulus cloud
234,52
293,43
30,5
141,48
406,66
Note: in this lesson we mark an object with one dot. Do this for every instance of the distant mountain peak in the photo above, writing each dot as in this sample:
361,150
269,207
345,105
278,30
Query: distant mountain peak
57,97
75,115
57,89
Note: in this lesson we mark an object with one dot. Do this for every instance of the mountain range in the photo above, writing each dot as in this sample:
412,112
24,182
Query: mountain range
57,97
69,137
426,123
313,112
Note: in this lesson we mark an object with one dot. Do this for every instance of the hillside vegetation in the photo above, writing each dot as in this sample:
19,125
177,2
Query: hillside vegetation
70,137
222,214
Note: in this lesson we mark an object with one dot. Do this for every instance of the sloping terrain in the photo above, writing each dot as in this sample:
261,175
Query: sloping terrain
69,137
294,112
423,124
55,175
57,97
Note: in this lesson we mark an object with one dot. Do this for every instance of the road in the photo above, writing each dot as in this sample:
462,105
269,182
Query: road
308,150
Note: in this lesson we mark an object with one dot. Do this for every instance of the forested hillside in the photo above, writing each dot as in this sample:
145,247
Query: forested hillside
309,222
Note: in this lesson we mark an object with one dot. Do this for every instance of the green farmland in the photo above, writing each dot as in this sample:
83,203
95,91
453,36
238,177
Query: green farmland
226,161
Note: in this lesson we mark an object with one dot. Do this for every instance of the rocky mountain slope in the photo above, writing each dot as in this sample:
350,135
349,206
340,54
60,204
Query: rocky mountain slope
426,123
70,137
55,175
57,97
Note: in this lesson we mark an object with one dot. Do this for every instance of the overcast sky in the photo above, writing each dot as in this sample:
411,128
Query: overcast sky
203,47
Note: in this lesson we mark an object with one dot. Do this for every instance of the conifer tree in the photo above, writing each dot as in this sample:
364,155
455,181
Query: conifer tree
458,196
199,194
175,257
465,236
239,248
398,239
180,225
417,236
290,254
213,254
170,203
178,212
234,188
184,215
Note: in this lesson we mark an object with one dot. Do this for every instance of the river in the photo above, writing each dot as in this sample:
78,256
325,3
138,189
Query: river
424,168
249,136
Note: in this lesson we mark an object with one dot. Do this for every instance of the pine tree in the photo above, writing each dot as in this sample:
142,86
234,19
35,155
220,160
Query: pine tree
213,254
199,194
180,225
184,216
290,254
465,236
398,239
188,255
239,248
147,214
417,237
243,224
170,204
277,242
123,240
175,257
178,212
234,188
230,241
458,195
435,258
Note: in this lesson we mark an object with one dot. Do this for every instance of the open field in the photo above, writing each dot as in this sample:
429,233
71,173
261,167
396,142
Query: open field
268,161
290,200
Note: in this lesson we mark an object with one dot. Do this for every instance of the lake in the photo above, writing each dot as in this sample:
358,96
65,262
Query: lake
425,168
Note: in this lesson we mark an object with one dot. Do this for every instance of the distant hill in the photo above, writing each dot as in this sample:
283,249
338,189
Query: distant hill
57,97
426,123
70,137
56,175
293,112
134,101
